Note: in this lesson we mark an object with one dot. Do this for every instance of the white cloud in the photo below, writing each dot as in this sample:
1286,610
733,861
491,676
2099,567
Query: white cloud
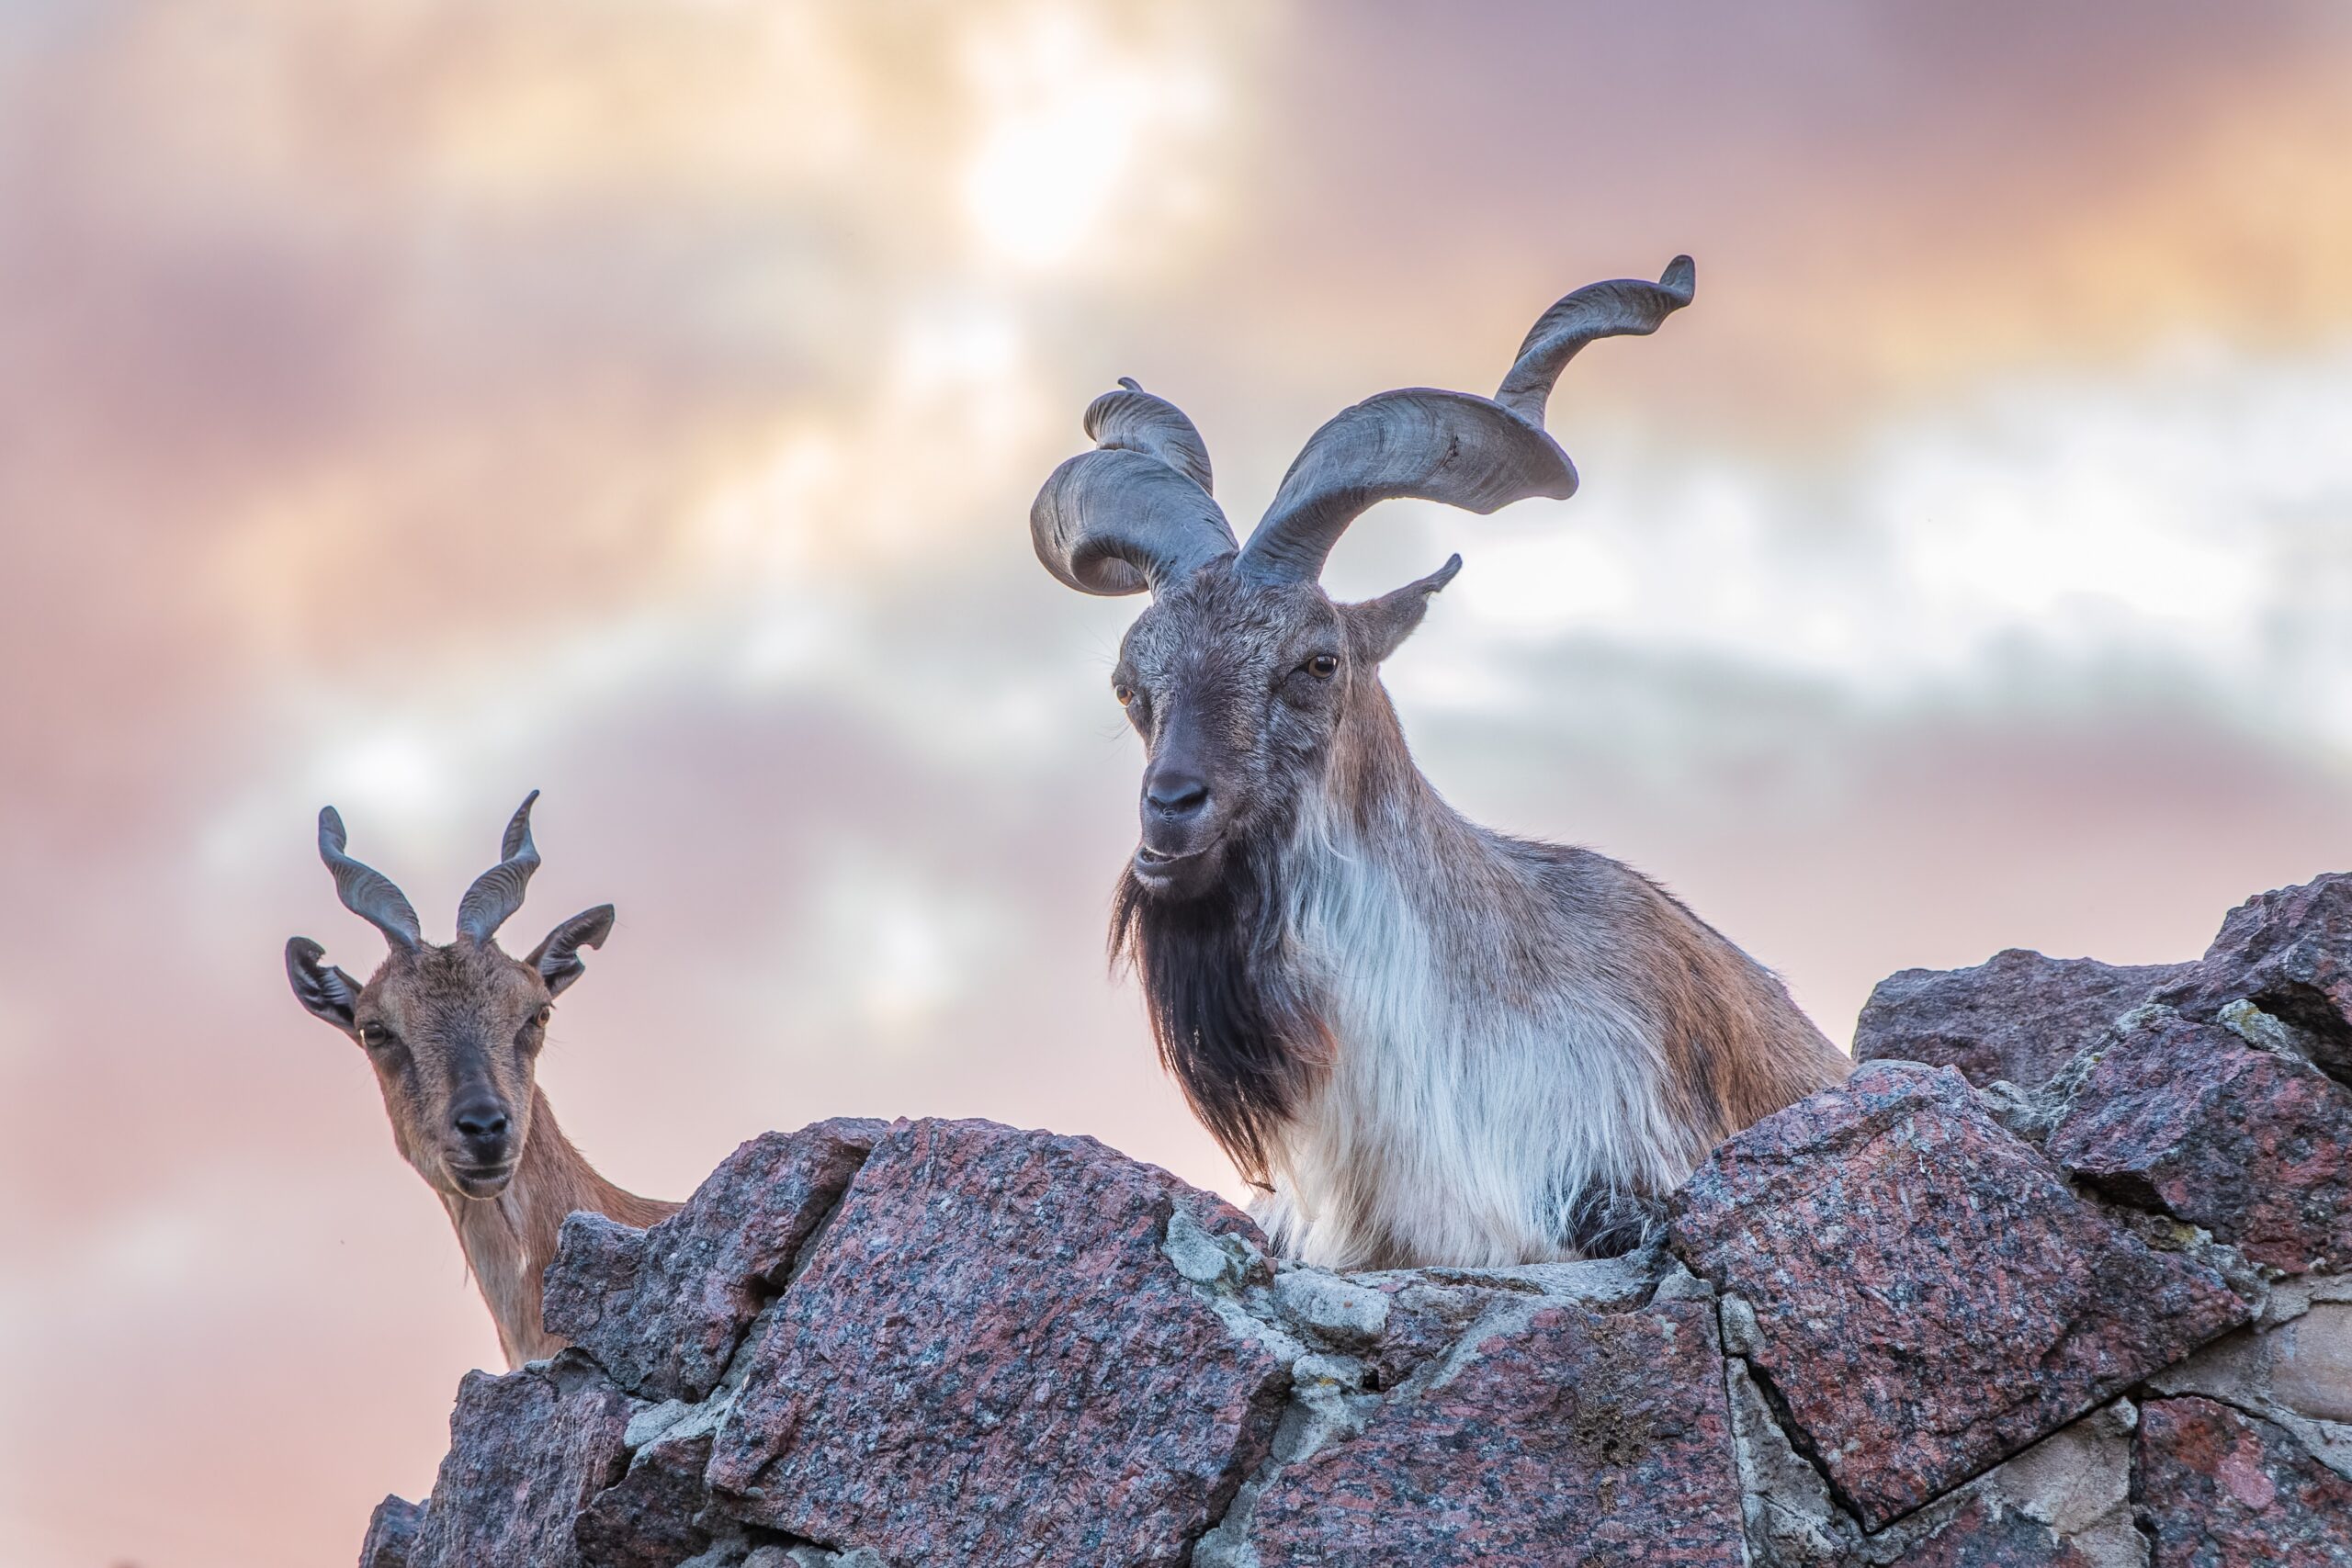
890,950
2194,512
1082,129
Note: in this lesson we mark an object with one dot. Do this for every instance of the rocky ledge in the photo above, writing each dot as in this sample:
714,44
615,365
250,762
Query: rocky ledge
2062,1277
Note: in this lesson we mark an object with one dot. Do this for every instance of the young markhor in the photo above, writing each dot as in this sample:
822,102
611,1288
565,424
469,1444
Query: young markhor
1426,1041
454,1034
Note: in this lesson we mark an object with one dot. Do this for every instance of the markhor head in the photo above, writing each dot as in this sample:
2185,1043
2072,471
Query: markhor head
454,1032
1243,673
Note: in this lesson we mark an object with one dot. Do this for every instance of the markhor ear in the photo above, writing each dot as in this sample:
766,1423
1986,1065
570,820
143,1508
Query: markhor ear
1382,625
324,991
557,959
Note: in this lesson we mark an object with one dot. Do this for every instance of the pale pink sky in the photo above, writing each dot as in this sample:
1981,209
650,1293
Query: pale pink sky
406,404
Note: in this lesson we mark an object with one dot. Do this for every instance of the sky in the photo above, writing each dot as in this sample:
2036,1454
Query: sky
405,404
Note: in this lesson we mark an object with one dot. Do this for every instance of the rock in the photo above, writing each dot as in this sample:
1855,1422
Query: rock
1223,1260
662,1310
2295,1373
1892,1325
2015,1017
2188,1119
1981,1533
648,1517
2063,1503
2288,952
1612,1283
391,1532
1424,1319
2292,1296
990,1359
1569,1436
1793,1522
1429,1309
1929,1294
2311,1363
1330,1307
2077,1483
526,1453
2223,1490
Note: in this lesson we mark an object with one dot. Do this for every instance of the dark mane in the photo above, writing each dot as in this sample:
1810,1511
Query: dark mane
1240,1042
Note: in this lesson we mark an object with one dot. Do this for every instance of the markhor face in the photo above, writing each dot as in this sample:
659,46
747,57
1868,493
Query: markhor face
1236,690
454,1034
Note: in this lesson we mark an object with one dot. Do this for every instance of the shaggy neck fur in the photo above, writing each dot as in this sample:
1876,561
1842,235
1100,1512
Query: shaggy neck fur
1433,1044
509,1240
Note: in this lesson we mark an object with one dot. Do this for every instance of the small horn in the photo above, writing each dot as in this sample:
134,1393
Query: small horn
1135,512
498,892
1479,453
364,891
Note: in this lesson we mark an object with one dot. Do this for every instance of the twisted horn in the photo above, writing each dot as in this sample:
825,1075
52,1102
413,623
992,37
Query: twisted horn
1136,421
1479,453
1135,512
498,892
1625,306
364,891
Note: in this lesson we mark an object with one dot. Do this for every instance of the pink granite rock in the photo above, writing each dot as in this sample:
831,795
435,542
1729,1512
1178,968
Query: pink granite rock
526,1453
1571,1436
2290,952
662,1310
978,1346
2218,1489
2255,1146
2017,1015
1984,1534
391,1531
1929,1294
992,1360
650,1518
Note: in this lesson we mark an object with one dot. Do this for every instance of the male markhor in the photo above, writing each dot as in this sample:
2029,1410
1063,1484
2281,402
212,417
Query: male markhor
1426,1041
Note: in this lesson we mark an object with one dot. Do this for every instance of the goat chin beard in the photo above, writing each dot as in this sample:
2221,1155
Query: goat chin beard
478,1188
1176,878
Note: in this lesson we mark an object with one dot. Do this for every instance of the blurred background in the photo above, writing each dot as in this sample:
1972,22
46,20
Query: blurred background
406,403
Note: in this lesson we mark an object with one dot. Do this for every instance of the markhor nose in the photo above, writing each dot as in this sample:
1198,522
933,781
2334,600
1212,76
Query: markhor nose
482,1123
1176,796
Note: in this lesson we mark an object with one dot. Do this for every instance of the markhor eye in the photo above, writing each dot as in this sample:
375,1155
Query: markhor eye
1323,666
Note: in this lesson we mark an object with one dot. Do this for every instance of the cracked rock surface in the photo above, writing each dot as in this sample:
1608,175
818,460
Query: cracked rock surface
663,1309
527,1453
2077,1292
2253,1145
1565,1435
2289,954
1929,1294
2222,1488
989,1360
